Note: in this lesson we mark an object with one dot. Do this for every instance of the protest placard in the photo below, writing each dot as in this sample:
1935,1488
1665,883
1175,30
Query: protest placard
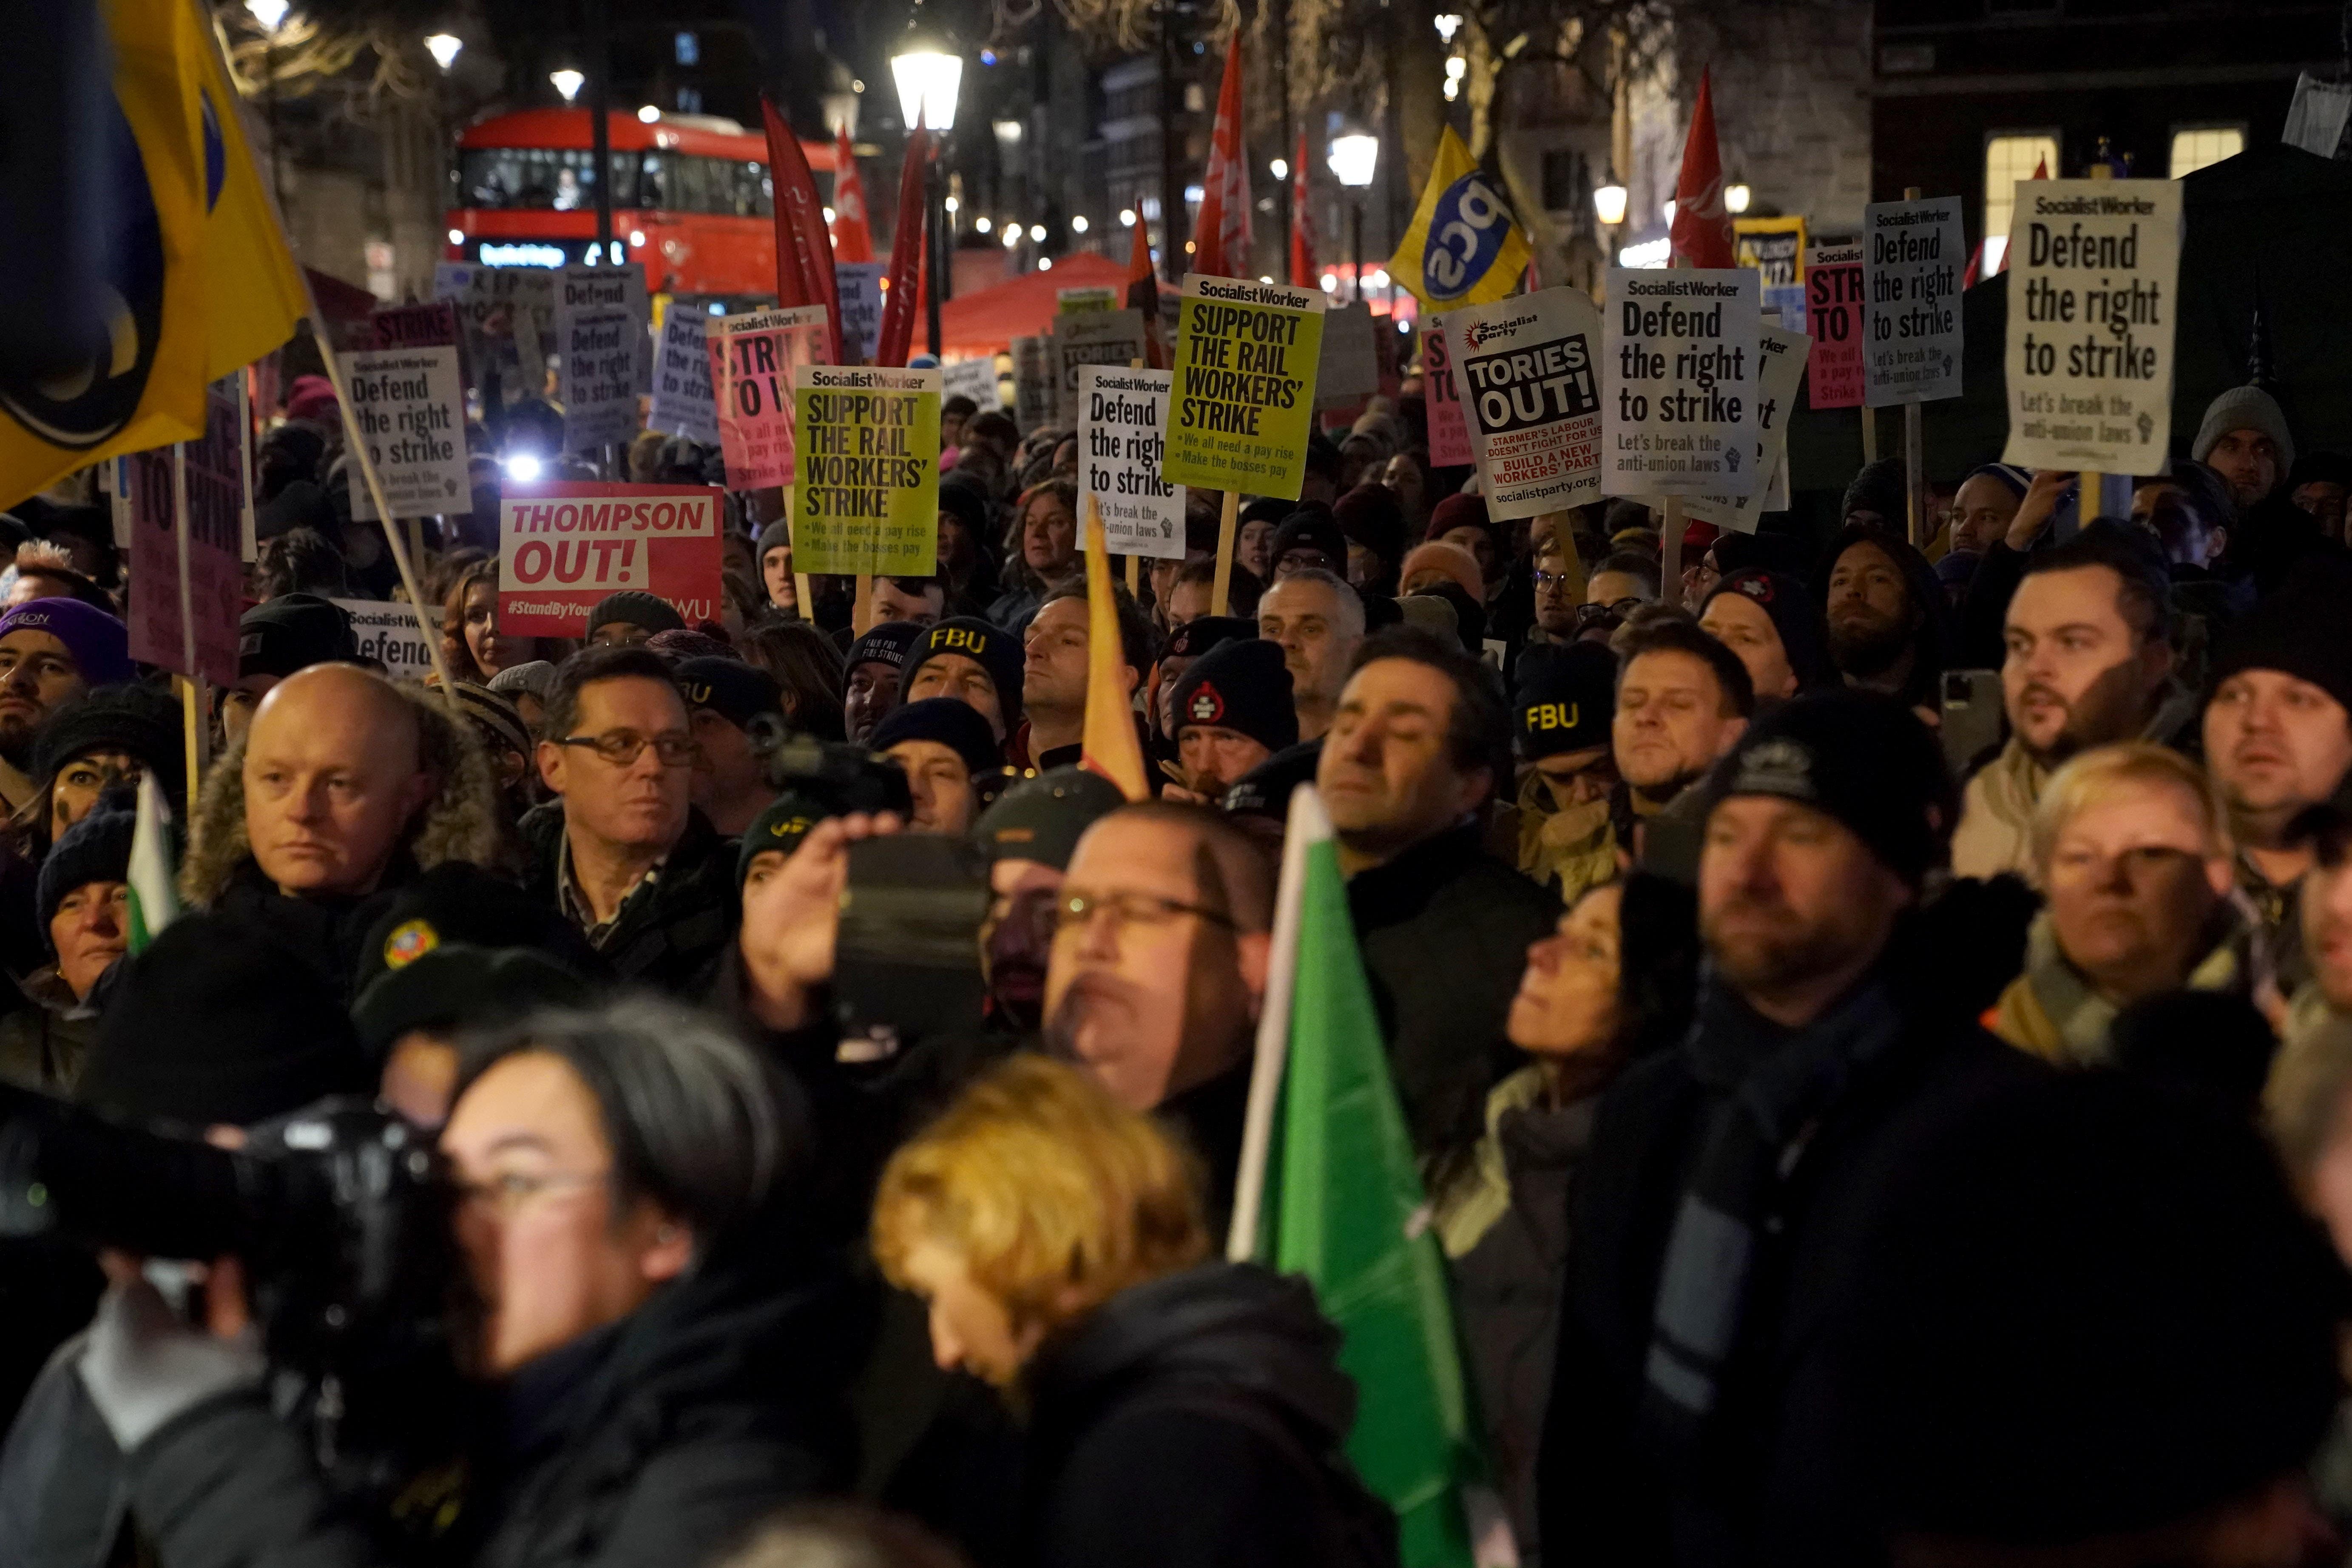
1531,378
1122,414
1914,252
506,318
683,402
410,406
1244,386
1775,246
1348,370
427,326
388,632
1097,298
868,496
858,285
600,331
1101,336
1680,417
564,545
198,545
1783,352
1835,307
1449,428
973,378
1033,382
2092,311
752,357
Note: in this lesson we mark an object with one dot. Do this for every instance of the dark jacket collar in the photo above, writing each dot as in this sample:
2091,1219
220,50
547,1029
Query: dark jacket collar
1399,890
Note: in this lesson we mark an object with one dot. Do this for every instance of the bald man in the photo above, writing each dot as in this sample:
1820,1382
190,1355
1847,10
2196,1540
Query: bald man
1158,968
346,793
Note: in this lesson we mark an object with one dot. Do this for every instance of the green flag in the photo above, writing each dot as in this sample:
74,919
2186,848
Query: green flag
154,866
1329,1190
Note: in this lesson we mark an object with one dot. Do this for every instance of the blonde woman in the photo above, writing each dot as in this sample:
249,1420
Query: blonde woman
1179,1412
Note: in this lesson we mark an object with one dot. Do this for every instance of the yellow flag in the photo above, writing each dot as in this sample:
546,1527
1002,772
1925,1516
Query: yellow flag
1463,248
254,296
1109,745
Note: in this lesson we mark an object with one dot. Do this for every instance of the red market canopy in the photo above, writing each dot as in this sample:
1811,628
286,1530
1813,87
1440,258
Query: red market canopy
986,322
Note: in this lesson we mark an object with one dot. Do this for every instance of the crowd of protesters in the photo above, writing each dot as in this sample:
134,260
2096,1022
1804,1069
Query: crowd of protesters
1850,1142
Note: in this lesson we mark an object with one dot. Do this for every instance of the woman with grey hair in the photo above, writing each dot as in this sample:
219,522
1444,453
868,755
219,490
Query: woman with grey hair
662,1380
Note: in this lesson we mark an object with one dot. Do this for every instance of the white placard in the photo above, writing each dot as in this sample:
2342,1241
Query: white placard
683,403
1033,382
1349,369
859,286
973,378
410,404
1091,336
507,315
1529,375
1784,354
1121,413
2093,265
388,633
600,331
1913,254
1678,416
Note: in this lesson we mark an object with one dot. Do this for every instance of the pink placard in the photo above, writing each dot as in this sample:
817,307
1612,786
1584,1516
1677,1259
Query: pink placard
751,360
1449,428
1835,307
215,492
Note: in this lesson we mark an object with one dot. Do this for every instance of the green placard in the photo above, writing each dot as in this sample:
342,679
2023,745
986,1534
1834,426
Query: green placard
1244,395
868,496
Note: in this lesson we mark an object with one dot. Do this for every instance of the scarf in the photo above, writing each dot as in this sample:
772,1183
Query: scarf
1771,1088
1573,846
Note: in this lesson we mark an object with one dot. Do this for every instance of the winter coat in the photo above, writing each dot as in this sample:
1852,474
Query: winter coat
65,1497
650,1444
667,935
1995,832
1505,1230
43,1042
1444,929
1782,1477
2051,1011
1196,1422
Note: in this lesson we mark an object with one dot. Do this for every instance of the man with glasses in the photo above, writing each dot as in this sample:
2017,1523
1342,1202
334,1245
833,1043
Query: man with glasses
622,855
1158,968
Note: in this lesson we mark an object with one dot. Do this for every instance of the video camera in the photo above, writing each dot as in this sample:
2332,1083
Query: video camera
340,1213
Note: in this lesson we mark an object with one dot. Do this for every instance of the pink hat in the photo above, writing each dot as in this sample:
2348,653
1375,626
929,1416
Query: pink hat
1451,559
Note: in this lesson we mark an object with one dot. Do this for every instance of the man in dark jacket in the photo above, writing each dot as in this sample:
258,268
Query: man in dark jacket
1420,739
1889,618
1700,1408
622,855
660,1384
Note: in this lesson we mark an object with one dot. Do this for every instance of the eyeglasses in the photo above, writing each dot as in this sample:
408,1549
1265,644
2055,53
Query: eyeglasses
510,1193
1076,910
623,747
1615,610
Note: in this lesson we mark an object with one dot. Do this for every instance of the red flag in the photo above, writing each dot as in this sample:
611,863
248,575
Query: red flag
1220,241
853,238
1143,294
1701,234
1302,244
898,329
804,249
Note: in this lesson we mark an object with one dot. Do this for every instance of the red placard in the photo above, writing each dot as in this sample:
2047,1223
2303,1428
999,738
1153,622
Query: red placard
564,545
214,483
1835,307
752,357
1449,427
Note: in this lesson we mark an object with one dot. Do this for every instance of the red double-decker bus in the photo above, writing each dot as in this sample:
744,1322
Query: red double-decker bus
691,197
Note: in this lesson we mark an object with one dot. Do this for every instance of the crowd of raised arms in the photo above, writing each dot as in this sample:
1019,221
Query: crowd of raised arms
1871,1112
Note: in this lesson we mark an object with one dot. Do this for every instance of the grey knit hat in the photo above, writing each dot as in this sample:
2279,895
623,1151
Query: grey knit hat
2245,408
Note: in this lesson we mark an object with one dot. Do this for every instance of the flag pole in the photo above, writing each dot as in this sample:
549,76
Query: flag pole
1220,592
1915,462
1307,825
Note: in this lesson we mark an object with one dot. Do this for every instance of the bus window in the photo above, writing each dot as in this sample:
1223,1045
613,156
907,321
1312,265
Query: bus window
540,178
694,191
750,195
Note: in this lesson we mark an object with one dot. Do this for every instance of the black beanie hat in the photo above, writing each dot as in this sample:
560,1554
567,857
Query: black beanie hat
216,1024
954,724
734,690
777,533
638,608
95,849
1858,756
293,632
1566,700
1878,488
878,785
1265,508
2298,631
1264,790
1043,818
130,718
1241,685
886,644
454,903
1794,614
965,501
995,649
1197,636
460,986
1305,529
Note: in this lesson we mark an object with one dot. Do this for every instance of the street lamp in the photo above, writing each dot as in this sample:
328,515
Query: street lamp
568,82
1609,202
1352,159
270,14
1737,197
927,70
444,49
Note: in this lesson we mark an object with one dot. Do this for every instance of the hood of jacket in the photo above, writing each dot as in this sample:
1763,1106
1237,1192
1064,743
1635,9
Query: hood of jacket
1232,1324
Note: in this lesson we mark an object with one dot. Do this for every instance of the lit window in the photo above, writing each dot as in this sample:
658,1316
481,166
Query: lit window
688,48
2200,146
2009,159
